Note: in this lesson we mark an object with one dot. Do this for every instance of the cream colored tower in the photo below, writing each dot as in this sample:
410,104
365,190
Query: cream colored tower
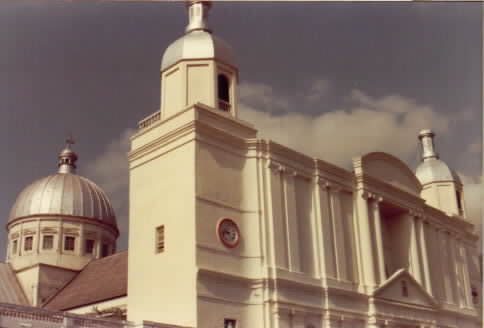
185,168
57,225
441,186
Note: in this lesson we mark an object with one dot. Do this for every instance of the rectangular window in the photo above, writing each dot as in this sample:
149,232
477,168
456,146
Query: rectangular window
28,242
48,242
69,243
104,250
160,239
230,323
89,246
14,246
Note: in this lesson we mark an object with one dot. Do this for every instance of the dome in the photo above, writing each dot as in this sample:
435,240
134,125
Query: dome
64,193
197,44
434,170
198,41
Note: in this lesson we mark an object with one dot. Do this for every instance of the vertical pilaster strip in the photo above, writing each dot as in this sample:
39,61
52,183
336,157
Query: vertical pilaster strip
454,268
424,251
291,220
466,277
326,243
366,240
375,207
414,250
339,234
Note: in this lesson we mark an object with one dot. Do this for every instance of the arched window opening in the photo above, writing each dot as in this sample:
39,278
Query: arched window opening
223,92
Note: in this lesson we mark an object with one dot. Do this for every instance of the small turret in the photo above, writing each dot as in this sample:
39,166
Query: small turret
441,186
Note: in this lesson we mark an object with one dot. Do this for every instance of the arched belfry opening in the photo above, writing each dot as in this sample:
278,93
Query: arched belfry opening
223,84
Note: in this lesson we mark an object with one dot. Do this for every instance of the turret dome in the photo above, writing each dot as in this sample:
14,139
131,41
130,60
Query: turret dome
198,42
432,168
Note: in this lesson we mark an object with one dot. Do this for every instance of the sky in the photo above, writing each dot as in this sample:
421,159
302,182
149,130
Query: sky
333,80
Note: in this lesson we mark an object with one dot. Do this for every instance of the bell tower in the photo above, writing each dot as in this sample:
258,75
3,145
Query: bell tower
180,162
198,67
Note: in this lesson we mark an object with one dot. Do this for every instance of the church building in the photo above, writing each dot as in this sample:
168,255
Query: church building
230,231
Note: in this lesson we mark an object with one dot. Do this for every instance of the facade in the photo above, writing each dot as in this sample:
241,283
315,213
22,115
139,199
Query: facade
228,230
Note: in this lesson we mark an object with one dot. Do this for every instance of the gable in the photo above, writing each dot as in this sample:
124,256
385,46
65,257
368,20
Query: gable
392,170
394,290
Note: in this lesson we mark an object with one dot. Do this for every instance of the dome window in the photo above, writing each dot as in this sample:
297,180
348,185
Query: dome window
48,242
28,242
69,243
223,92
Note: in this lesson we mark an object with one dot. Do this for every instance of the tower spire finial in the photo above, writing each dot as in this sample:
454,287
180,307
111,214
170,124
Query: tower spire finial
197,15
67,158
428,149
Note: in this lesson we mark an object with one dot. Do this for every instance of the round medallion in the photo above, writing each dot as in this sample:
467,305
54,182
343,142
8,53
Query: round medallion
228,232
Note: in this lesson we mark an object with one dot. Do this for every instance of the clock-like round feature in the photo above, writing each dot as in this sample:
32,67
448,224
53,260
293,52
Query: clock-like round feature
228,232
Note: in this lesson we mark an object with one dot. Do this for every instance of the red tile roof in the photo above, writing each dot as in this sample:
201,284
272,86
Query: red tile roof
10,289
100,280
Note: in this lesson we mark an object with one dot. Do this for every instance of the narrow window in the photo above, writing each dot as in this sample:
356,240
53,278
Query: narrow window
104,250
230,323
14,247
69,243
458,195
223,93
89,246
160,239
404,288
48,242
28,243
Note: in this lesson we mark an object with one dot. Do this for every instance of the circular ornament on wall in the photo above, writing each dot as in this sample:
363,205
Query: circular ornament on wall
228,232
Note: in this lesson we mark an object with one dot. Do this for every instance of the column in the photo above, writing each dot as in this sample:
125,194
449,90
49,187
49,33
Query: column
375,207
414,250
423,249
366,240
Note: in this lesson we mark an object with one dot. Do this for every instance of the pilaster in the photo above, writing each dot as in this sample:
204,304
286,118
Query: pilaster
366,241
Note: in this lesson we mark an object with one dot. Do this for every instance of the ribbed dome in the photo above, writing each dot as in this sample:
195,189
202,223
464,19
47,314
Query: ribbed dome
64,194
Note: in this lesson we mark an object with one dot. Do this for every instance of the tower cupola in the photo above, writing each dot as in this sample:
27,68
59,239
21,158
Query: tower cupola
199,67
441,186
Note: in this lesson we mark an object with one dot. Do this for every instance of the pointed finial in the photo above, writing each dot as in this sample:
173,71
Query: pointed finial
67,158
197,15
427,139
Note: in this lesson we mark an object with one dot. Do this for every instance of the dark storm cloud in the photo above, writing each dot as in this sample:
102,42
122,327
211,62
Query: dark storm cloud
92,68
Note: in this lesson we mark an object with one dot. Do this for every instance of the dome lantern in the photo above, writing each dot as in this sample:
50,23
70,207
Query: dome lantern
67,158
